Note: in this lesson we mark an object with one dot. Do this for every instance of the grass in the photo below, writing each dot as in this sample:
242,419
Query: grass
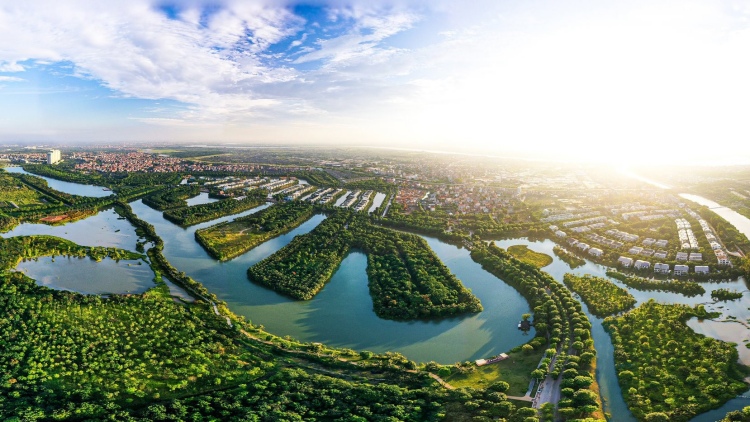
12,190
516,371
524,254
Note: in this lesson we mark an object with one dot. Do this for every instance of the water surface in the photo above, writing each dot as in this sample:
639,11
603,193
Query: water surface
67,187
85,275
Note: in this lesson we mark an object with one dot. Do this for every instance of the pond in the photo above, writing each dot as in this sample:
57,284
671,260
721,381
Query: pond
67,187
85,275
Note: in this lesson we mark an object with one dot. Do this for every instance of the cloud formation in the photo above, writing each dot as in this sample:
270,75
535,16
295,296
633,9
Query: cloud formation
482,73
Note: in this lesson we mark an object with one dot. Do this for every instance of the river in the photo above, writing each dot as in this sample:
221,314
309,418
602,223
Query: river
67,187
341,314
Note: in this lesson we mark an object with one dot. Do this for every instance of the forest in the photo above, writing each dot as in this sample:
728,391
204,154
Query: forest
559,318
665,369
301,268
196,214
172,197
406,278
602,297
230,239
687,288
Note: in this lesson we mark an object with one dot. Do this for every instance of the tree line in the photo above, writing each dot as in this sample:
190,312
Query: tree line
233,238
600,295
687,288
196,214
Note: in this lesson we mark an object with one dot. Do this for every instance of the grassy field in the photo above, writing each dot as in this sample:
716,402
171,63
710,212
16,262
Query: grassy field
516,371
228,240
12,190
523,253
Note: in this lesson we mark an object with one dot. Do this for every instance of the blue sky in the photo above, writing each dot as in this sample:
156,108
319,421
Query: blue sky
636,80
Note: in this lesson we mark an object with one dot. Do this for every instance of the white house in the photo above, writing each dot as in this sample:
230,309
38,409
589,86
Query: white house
595,252
682,256
661,268
701,269
648,241
660,254
696,256
661,243
625,261
635,250
560,233
582,246
641,265
680,269
715,245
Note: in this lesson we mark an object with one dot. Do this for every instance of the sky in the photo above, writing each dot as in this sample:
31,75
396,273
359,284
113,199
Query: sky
641,82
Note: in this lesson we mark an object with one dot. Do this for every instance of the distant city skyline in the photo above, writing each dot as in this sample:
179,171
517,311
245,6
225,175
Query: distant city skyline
621,82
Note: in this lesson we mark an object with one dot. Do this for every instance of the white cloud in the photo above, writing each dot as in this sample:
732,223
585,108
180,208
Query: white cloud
10,79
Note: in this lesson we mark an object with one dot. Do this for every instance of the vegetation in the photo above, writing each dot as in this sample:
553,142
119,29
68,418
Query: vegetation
726,232
725,294
687,288
15,249
301,268
738,415
196,214
171,198
515,371
524,254
143,357
600,295
665,367
406,279
569,258
230,239
14,193
558,317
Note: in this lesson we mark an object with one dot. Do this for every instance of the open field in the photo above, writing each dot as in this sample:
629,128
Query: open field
524,254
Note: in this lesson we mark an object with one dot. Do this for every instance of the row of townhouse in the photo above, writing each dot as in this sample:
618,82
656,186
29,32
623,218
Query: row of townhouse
660,268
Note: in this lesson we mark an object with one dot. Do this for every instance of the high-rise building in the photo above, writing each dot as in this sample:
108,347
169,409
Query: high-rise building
53,156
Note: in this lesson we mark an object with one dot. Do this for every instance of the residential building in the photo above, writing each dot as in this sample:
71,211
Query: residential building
642,265
701,269
681,269
661,268
53,156
682,256
635,250
595,252
696,256
625,261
